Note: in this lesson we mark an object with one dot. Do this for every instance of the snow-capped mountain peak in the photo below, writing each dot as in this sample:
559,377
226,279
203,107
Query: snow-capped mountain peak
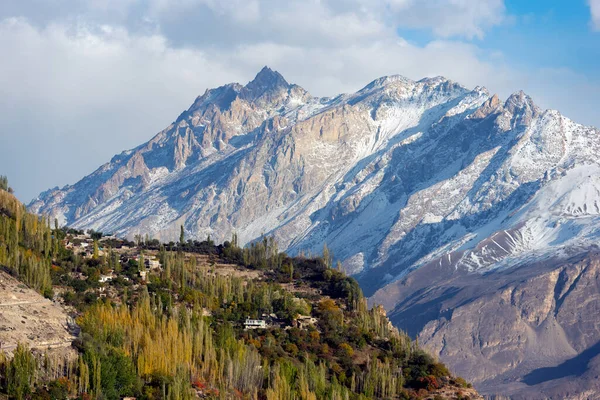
392,177
266,80
444,202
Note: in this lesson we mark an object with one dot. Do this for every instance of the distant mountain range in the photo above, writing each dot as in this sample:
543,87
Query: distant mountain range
440,199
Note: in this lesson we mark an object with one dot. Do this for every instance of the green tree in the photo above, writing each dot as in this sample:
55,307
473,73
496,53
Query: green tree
327,258
96,251
141,261
288,269
181,236
21,373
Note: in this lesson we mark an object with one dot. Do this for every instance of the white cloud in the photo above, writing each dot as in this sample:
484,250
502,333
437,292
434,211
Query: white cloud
595,10
193,21
71,96
448,18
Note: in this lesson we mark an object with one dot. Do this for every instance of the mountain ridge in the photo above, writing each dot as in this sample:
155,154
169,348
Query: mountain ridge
400,177
222,123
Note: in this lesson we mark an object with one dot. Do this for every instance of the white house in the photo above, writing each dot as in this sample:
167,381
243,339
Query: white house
143,275
304,321
153,264
255,324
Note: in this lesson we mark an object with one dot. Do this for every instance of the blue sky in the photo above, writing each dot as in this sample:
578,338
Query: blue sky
551,33
554,34
82,80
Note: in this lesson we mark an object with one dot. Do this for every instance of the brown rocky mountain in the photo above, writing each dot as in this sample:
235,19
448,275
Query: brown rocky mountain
531,331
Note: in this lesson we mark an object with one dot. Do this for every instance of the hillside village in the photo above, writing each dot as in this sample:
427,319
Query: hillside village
90,315
90,245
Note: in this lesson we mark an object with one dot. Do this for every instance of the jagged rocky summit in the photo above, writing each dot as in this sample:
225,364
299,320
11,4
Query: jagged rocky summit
440,199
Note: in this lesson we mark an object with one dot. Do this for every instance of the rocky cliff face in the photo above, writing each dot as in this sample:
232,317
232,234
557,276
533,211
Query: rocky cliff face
531,331
427,191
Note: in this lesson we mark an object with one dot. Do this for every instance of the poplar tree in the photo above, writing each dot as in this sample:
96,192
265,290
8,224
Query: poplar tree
327,259
21,373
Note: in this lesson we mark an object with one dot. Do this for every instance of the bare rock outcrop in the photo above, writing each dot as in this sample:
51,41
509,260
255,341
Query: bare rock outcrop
27,317
529,332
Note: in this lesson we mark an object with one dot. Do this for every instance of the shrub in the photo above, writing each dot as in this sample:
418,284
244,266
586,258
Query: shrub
292,349
461,382
428,382
439,370
346,350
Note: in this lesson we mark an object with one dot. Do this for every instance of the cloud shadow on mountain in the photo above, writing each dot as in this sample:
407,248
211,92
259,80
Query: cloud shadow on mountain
574,367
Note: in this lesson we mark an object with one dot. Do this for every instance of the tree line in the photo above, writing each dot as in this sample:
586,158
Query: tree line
27,244
4,184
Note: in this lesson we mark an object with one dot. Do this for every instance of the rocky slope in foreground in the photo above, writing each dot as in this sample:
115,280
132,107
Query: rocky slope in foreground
28,318
407,182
